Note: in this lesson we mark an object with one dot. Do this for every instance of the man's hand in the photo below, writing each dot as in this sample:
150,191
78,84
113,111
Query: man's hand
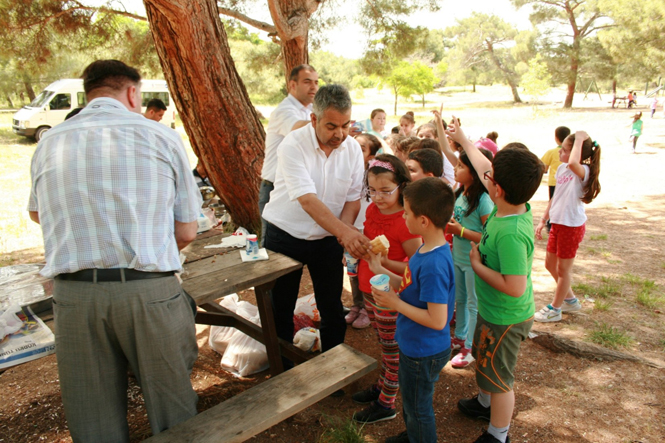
354,242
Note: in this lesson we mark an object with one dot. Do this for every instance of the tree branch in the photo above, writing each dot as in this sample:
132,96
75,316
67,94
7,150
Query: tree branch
263,26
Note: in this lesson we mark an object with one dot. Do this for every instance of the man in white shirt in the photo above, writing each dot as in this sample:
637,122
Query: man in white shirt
292,113
310,215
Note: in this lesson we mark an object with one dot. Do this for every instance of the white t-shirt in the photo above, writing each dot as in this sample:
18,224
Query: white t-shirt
360,220
289,112
448,171
303,168
567,209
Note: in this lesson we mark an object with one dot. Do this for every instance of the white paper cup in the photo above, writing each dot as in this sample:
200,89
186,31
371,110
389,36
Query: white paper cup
380,282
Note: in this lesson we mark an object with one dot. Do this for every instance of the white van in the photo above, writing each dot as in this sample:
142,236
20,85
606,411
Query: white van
53,104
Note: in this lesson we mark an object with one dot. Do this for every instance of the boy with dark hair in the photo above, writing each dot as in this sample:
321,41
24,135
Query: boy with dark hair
426,290
551,160
502,263
155,110
424,163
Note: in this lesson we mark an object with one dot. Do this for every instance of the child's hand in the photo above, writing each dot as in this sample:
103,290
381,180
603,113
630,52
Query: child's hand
454,227
474,255
455,131
374,262
388,299
539,229
581,136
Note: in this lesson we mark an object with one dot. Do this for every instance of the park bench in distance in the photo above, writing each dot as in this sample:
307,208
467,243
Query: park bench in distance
260,407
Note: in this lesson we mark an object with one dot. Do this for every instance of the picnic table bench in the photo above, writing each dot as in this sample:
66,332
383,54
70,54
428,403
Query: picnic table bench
274,400
213,273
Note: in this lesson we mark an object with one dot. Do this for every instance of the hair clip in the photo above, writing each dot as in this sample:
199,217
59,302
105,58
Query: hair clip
595,144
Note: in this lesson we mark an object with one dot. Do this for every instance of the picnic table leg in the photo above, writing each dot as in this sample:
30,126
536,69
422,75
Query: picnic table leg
270,339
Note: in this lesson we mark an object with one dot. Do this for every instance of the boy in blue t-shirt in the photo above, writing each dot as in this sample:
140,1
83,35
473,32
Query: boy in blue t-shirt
426,291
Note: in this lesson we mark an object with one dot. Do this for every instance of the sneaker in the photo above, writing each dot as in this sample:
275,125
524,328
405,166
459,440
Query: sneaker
374,413
489,438
402,437
547,314
472,408
352,315
362,321
571,306
367,396
456,343
462,359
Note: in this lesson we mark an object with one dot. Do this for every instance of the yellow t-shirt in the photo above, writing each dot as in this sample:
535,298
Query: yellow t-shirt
551,159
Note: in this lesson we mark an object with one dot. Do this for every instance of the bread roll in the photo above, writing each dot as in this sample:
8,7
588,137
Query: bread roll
379,245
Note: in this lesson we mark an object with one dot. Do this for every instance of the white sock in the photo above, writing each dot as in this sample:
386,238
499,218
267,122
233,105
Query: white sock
484,399
499,433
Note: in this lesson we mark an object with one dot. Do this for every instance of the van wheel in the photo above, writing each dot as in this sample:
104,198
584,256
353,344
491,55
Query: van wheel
39,133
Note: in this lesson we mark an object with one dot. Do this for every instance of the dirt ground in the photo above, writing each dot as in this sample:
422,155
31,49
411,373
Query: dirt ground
559,397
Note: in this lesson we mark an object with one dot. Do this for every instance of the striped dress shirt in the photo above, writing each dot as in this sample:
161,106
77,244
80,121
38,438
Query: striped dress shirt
108,185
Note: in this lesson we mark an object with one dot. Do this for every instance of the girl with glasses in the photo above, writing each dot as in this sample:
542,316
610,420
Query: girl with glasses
386,178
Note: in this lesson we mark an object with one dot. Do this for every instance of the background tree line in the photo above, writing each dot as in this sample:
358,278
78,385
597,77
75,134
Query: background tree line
216,70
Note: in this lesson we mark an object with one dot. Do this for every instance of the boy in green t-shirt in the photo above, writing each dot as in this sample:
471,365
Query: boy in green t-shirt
502,263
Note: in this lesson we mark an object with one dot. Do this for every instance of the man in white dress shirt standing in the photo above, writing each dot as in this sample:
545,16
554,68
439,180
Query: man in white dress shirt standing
292,113
310,215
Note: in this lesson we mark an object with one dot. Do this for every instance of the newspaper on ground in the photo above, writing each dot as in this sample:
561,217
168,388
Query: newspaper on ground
32,341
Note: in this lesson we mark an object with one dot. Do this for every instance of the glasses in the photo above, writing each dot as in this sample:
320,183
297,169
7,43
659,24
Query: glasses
382,194
490,178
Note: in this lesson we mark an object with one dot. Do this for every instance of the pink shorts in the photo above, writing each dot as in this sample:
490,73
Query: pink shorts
564,240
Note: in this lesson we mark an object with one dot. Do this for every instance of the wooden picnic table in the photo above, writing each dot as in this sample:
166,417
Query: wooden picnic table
210,274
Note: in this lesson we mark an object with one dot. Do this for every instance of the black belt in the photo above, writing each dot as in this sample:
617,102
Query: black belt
106,275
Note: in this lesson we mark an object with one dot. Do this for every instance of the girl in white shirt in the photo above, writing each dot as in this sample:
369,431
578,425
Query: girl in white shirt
576,183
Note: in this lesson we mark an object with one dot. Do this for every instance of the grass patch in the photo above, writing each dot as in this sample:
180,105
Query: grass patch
602,306
637,280
648,300
599,237
341,431
610,337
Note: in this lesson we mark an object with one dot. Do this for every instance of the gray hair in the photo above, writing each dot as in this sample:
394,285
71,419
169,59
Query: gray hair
331,96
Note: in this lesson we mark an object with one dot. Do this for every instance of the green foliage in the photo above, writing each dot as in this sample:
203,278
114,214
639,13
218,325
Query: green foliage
409,78
608,336
602,306
637,42
334,68
341,431
482,46
599,237
537,79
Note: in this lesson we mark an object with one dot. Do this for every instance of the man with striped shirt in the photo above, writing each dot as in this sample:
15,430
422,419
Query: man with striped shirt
116,200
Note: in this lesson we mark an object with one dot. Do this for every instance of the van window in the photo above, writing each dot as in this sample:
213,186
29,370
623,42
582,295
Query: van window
41,99
147,96
60,102
80,98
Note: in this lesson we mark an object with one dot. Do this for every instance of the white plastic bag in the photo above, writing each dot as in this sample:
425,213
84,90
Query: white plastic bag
244,355
307,305
220,336
308,339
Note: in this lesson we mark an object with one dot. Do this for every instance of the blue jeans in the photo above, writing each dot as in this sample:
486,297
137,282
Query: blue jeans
466,303
416,381
264,197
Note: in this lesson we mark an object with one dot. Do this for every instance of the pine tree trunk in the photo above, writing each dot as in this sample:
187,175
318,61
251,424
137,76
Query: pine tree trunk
291,18
572,75
221,122
28,89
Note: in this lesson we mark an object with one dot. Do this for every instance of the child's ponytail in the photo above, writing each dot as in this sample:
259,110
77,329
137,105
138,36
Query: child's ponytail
591,157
